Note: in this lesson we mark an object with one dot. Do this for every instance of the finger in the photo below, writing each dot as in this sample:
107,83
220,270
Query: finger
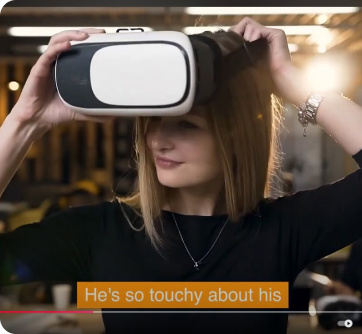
67,35
93,30
74,34
41,67
256,34
60,43
241,26
248,32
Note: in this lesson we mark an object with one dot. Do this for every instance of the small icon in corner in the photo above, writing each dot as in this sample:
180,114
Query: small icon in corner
346,323
3,330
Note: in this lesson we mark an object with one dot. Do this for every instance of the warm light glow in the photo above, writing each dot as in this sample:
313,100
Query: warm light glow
320,19
268,10
312,310
199,30
42,48
321,37
50,31
13,85
322,279
302,29
322,48
289,30
324,75
293,47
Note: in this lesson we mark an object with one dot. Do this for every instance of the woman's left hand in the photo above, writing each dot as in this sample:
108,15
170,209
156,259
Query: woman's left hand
286,76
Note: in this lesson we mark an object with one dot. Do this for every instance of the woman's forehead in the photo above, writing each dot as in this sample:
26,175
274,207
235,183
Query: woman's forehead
195,111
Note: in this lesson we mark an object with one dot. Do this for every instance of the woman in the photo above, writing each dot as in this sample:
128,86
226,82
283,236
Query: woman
198,212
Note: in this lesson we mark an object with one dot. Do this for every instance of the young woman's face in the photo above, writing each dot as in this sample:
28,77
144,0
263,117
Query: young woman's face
184,151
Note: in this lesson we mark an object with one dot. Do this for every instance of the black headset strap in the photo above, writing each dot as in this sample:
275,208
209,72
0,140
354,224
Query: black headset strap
248,54
214,68
208,67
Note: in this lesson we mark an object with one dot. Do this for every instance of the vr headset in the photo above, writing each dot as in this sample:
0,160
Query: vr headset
146,73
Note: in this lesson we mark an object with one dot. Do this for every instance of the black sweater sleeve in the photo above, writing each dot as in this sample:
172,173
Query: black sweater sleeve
358,158
57,248
352,271
318,222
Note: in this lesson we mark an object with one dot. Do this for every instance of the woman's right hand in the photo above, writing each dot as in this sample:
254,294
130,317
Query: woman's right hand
39,104
287,77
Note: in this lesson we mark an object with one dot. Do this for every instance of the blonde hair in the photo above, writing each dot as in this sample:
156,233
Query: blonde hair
244,118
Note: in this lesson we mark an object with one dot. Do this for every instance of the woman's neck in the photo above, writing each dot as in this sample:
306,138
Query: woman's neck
195,202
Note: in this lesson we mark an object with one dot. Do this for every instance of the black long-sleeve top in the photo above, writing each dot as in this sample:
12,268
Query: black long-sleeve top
352,271
273,243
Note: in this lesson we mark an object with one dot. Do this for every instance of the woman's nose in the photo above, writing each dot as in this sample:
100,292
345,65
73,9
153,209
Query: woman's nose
161,135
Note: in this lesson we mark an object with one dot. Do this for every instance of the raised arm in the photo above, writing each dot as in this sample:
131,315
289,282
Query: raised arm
38,109
338,116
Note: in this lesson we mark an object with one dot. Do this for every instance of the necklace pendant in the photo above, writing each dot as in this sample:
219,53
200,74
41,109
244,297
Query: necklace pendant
198,265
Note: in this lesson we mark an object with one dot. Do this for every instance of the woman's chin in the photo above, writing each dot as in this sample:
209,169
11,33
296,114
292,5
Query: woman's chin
175,183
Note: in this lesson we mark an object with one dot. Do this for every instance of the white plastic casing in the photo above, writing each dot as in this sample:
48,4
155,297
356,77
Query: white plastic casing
150,72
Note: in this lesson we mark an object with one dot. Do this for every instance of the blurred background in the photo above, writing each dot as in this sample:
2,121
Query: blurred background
83,163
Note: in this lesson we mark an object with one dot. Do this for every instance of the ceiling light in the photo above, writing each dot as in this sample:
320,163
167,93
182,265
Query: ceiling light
301,30
321,19
42,48
50,31
199,30
322,48
289,30
14,86
293,47
268,10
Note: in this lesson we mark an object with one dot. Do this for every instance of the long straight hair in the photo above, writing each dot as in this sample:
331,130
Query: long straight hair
244,118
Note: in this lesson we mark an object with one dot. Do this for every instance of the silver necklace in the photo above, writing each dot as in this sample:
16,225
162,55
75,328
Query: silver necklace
198,264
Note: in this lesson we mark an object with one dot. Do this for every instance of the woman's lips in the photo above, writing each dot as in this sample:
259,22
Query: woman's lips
164,163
